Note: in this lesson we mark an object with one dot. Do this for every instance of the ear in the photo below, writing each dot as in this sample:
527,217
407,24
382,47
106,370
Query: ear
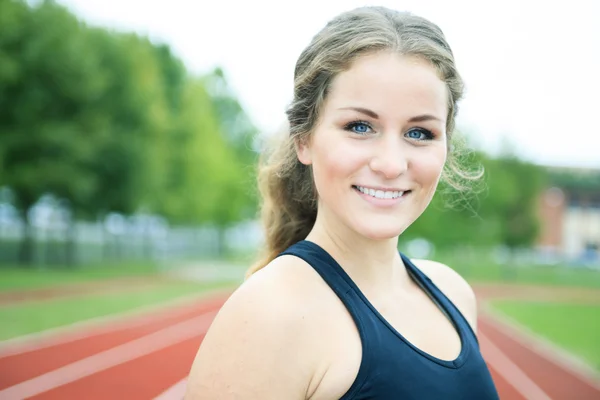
303,151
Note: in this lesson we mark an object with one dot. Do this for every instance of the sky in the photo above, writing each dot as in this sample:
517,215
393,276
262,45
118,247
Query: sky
531,67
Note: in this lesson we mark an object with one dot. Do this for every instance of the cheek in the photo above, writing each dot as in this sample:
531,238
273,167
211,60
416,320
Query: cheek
428,167
336,163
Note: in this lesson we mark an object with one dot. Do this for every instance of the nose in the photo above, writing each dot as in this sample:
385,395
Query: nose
390,158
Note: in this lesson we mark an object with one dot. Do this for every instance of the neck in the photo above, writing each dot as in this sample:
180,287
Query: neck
374,265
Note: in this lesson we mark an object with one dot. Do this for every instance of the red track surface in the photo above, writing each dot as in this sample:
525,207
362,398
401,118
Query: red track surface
506,390
155,353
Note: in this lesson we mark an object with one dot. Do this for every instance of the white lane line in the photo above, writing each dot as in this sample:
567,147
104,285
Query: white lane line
510,371
117,355
175,392
100,325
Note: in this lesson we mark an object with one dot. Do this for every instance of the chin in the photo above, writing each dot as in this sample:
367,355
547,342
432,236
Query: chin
382,227
385,231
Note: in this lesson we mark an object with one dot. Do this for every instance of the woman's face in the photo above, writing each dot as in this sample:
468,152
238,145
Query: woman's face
379,147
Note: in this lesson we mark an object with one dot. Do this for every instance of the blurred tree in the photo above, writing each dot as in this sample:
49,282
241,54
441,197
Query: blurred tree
133,115
205,182
237,127
575,179
111,122
513,194
196,151
241,135
46,87
239,197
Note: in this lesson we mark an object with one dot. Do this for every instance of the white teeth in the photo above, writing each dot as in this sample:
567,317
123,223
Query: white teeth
380,194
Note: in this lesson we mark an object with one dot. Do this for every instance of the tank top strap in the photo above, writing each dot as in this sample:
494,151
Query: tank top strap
349,294
322,262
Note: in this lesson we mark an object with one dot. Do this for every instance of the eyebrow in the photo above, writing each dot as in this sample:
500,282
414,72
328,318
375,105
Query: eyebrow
373,114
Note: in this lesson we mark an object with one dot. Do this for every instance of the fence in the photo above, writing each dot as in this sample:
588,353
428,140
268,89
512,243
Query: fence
119,238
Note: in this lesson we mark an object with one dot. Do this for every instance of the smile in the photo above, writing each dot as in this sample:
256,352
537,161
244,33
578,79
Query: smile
380,194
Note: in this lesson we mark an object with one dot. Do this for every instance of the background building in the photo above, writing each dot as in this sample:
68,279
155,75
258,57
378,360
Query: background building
570,214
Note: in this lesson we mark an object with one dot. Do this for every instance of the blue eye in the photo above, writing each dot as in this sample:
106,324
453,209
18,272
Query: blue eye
359,127
419,134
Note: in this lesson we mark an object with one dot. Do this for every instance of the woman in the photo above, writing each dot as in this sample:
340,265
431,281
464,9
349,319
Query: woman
334,311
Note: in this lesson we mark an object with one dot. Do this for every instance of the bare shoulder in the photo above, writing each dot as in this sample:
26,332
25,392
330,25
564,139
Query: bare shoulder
258,346
454,286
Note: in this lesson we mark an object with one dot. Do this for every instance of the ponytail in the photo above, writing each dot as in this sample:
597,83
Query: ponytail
289,206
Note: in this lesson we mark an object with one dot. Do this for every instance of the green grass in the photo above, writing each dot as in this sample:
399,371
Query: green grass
479,266
574,327
535,275
14,278
27,318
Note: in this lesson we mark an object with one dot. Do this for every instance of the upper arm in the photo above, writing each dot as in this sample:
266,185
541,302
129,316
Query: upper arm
253,349
454,286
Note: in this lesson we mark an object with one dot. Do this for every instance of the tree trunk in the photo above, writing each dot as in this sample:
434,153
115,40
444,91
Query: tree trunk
105,246
26,247
53,255
70,245
148,246
221,242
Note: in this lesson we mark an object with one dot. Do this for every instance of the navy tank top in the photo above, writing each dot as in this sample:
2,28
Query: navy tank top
391,367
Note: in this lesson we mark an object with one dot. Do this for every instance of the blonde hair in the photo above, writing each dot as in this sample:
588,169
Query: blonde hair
289,200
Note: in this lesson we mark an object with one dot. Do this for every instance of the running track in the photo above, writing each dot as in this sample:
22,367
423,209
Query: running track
149,356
